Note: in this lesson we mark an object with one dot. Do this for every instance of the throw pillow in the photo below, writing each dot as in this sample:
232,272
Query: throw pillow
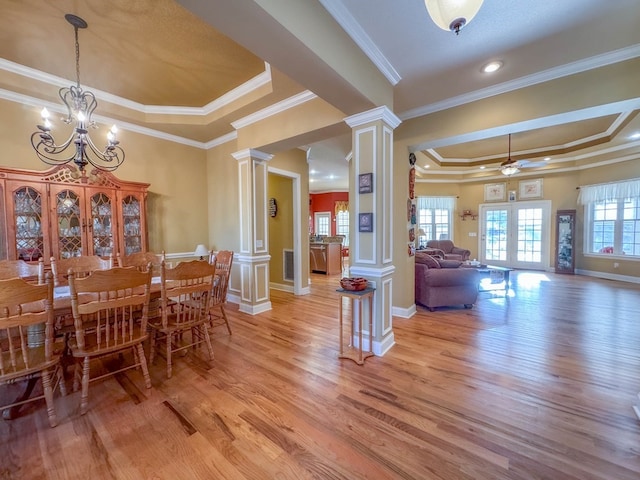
427,260
449,263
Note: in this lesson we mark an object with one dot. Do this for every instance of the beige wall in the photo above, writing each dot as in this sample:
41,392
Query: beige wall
177,201
281,226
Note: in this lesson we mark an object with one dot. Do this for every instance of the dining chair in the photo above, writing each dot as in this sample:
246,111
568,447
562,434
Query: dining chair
31,272
217,316
82,266
110,314
26,341
184,304
141,260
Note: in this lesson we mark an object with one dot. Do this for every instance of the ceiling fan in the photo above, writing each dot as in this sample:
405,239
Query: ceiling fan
510,166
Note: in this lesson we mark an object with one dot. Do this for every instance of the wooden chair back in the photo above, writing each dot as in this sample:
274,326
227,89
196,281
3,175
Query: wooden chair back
31,272
141,260
110,313
184,303
26,338
223,261
82,266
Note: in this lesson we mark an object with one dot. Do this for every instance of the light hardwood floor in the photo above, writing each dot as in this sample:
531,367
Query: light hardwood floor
538,384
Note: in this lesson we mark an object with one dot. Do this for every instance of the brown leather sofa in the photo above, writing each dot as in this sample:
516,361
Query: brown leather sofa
441,283
449,250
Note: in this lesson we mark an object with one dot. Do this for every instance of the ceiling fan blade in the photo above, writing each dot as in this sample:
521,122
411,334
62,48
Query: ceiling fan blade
531,164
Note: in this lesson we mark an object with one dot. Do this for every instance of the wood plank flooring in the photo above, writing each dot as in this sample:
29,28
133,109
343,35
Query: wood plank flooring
535,384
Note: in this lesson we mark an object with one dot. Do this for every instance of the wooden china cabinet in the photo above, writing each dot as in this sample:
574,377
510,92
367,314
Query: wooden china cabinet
64,213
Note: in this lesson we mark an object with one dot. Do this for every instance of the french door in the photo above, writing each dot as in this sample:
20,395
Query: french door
515,235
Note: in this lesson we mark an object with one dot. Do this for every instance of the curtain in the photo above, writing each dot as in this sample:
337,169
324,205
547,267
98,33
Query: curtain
440,203
342,207
609,191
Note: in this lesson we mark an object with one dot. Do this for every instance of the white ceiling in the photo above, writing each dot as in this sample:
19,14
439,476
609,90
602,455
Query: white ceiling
434,69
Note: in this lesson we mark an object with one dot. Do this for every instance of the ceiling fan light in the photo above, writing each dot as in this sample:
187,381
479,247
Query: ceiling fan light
510,168
452,14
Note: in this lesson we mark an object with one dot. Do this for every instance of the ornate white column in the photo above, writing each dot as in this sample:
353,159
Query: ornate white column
371,211
253,257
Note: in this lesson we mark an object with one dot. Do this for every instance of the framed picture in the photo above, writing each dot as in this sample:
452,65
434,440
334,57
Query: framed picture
512,195
365,222
531,188
494,192
365,183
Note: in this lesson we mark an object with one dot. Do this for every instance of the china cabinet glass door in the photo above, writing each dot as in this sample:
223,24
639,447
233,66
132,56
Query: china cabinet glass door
27,213
102,225
70,224
565,241
132,222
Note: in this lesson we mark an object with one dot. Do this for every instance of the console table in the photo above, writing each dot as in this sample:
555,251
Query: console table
354,351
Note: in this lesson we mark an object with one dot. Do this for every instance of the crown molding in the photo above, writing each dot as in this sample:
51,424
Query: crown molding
584,65
229,97
274,109
349,24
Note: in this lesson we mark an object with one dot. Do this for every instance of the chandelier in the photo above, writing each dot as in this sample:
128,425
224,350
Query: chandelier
452,14
509,166
79,147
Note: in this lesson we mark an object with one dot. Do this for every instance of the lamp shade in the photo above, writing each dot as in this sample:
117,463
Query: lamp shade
452,14
422,233
509,169
201,251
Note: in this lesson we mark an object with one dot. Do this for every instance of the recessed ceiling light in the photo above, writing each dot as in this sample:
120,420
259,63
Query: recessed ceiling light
313,172
635,136
482,167
546,159
492,66
427,166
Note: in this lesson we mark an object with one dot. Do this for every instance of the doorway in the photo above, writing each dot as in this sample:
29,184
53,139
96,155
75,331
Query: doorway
515,235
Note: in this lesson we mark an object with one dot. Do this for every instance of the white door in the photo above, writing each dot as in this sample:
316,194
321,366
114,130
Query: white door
515,235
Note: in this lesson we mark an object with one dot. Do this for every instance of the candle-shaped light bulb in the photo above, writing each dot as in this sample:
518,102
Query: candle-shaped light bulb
47,123
114,130
80,116
110,136
44,114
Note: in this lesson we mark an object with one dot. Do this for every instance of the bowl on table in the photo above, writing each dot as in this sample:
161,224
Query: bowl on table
353,284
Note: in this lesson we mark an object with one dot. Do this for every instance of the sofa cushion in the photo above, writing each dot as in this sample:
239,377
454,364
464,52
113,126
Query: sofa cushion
449,263
428,260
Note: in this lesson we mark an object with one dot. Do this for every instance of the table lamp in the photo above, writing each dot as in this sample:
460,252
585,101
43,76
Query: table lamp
421,233
201,251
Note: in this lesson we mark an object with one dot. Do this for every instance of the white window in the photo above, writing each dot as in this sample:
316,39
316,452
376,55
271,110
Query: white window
323,220
612,218
342,226
435,217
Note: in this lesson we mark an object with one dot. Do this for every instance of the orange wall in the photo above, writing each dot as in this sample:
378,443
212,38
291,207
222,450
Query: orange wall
325,202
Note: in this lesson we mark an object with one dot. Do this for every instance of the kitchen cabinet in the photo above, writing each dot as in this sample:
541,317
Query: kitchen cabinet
326,257
64,213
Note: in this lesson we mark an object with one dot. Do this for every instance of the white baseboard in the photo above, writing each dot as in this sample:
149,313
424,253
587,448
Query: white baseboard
609,276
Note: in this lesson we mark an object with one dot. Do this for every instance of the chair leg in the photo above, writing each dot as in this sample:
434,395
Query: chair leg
84,399
60,375
77,375
143,365
203,328
152,346
48,396
226,320
168,338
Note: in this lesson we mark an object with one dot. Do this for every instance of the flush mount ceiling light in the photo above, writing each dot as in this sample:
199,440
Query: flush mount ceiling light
509,166
492,67
452,14
80,107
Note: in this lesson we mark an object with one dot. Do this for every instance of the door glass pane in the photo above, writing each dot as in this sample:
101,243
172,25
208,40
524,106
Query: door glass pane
69,227
322,224
131,218
28,221
529,235
496,235
102,225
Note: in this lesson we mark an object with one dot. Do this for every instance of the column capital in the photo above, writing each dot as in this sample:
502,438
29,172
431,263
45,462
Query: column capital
380,113
253,154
